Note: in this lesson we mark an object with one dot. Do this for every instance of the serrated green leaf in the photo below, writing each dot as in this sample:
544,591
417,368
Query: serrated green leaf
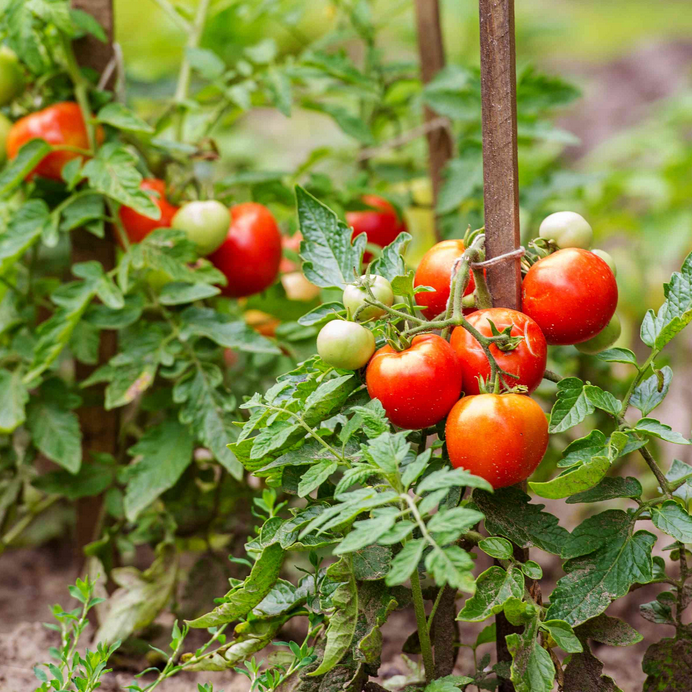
241,600
26,160
405,562
618,355
224,331
451,478
606,559
563,634
671,518
24,229
321,314
164,452
315,476
654,428
532,668
609,489
494,588
343,621
13,398
509,513
571,406
602,399
390,263
330,259
179,293
117,115
451,565
652,391
574,480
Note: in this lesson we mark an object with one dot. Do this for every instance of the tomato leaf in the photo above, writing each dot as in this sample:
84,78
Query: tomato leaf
574,480
26,160
13,398
675,313
390,263
240,600
451,565
671,518
117,115
679,470
463,177
532,668
330,259
405,562
499,548
602,399
605,558
609,630
652,391
618,355
654,428
609,489
563,634
571,407
509,513
24,229
494,588
668,663
164,452
343,621
321,314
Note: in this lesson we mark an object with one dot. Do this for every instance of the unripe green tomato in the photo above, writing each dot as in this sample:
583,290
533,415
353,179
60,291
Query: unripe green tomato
355,295
607,258
5,126
567,229
604,339
11,76
345,345
205,223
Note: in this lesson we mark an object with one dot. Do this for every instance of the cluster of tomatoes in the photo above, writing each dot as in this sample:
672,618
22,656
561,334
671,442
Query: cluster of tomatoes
243,242
569,297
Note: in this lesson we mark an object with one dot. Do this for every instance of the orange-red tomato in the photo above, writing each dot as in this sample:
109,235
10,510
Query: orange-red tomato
571,295
251,253
418,386
261,322
60,124
290,243
138,227
499,437
381,225
435,270
527,360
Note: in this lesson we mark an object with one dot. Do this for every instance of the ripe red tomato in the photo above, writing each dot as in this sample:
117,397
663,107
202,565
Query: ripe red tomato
527,360
571,294
381,227
418,386
435,270
499,437
60,124
251,253
138,227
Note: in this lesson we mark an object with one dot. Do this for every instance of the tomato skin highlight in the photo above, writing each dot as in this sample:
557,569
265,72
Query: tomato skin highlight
499,437
60,124
250,254
528,359
418,386
381,225
137,226
435,270
571,295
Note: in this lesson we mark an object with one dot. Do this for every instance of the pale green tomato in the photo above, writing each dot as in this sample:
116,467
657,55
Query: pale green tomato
345,345
355,295
606,257
205,223
604,339
567,229
5,126
11,76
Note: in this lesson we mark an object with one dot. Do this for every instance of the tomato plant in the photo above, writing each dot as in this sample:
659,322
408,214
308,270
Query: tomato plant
571,295
190,397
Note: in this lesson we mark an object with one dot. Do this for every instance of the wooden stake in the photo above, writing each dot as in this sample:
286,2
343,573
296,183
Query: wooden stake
500,171
100,428
501,192
432,60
